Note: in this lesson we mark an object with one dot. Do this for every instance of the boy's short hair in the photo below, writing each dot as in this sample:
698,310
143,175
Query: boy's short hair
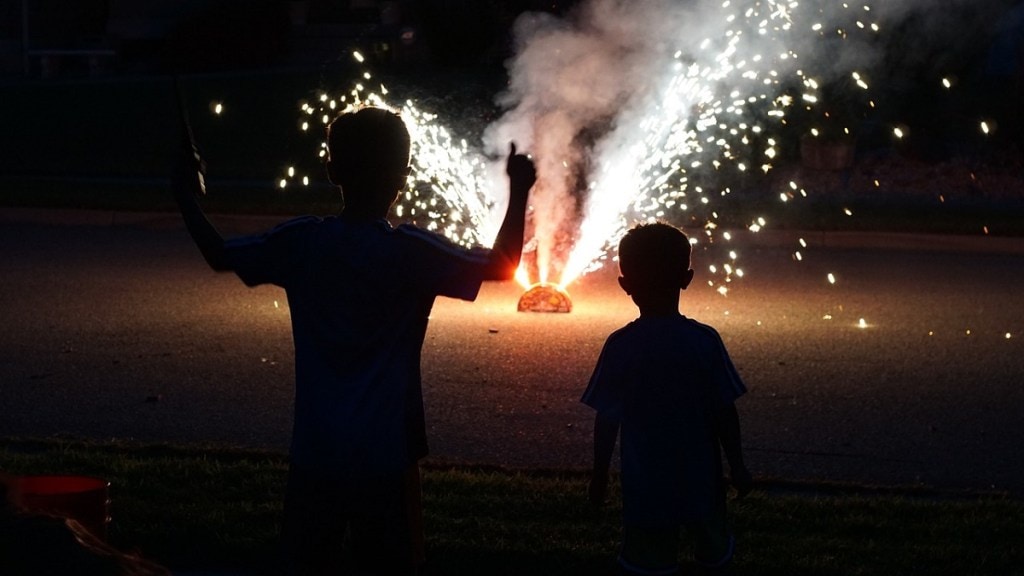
648,251
368,144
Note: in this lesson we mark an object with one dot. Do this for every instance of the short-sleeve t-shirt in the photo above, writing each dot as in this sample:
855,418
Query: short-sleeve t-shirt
663,379
359,294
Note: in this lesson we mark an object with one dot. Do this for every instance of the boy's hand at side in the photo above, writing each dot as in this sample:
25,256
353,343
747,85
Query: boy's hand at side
597,492
606,432
741,480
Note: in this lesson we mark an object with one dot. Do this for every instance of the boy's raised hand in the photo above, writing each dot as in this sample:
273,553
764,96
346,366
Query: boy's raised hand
188,182
190,168
521,172
508,244
189,162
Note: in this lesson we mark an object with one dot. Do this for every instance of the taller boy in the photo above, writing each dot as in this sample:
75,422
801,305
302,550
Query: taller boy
360,293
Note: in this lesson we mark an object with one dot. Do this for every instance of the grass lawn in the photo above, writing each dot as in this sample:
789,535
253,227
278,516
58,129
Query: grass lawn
214,507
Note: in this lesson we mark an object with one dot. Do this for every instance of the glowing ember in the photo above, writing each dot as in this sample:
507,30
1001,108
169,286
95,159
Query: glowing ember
545,298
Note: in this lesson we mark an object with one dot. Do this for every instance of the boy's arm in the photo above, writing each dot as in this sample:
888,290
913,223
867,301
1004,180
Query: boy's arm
606,430
187,184
727,426
508,245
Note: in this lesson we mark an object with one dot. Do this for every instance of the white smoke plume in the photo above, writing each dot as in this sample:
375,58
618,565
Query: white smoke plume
622,101
571,82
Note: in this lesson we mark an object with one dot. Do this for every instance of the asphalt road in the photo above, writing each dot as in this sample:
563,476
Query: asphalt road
112,327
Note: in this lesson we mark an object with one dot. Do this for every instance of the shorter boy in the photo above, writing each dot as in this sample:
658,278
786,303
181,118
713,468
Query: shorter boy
668,382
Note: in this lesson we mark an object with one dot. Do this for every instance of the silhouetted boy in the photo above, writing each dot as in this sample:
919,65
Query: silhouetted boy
360,293
668,383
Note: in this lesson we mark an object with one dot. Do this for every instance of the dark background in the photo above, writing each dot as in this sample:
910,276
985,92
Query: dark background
90,107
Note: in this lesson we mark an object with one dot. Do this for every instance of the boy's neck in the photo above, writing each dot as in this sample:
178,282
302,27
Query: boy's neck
656,303
354,214
659,309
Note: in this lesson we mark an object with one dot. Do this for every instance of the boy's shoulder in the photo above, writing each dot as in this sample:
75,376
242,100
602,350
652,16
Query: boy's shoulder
296,223
706,329
279,233
438,244
647,325
422,234
644,330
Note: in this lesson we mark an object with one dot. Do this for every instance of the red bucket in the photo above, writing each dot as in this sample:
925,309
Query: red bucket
82,498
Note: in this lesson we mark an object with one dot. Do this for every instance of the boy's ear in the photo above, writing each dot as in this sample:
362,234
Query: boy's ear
687,277
402,177
625,285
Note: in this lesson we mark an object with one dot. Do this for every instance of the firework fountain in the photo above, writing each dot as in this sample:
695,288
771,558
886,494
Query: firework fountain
636,111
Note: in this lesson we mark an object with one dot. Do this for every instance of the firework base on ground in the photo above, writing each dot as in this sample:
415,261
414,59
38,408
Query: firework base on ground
545,298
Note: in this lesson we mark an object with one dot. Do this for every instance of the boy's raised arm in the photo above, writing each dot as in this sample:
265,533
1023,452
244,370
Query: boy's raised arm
508,246
187,184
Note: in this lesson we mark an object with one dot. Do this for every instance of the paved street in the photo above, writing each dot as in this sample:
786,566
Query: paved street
113,327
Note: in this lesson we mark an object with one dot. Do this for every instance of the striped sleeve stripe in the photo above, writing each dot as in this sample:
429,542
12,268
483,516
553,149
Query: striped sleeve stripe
475,255
254,239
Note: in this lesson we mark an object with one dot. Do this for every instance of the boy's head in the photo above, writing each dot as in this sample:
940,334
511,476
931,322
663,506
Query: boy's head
368,156
654,260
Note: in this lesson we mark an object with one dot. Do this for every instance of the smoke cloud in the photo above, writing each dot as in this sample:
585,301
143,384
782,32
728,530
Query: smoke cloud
624,95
